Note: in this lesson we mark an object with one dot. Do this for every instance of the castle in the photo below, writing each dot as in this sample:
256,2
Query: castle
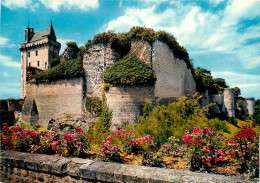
46,101
37,51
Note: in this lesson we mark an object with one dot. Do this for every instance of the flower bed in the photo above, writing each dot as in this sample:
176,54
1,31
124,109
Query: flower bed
203,149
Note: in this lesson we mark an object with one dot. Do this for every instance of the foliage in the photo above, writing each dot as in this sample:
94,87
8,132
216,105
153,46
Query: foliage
94,104
205,81
121,43
65,70
72,44
130,71
55,61
173,119
237,91
245,148
143,33
256,116
204,148
82,51
17,138
100,129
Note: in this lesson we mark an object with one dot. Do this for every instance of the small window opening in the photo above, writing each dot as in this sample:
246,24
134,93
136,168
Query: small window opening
45,65
38,63
29,63
36,53
29,54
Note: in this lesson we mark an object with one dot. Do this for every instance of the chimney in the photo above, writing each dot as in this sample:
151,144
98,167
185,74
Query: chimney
29,32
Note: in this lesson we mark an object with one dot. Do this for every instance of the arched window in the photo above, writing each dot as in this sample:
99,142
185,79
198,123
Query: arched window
45,65
36,53
38,63
29,64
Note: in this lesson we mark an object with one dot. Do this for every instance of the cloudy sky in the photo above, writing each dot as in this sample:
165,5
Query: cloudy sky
221,36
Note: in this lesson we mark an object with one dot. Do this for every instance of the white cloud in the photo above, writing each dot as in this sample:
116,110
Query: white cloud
8,62
5,74
55,5
4,42
201,30
12,4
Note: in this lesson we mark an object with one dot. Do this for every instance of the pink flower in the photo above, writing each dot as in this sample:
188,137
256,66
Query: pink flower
197,130
206,129
208,159
177,149
231,142
110,137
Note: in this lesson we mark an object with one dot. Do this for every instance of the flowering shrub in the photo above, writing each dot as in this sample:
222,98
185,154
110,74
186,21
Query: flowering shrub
72,144
140,145
16,138
204,148
110,146
245,149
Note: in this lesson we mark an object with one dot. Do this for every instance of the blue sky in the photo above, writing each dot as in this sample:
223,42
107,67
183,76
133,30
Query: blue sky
221,36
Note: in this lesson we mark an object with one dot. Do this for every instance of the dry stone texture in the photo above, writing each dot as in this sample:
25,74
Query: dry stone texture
56,98
127,102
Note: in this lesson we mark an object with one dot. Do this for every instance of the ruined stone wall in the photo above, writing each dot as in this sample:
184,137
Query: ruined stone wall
53,99
142,50
126,103
218,99
174,79
229,102
250,106
98,58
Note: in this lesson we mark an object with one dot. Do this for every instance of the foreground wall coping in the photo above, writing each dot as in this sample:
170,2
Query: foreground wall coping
108,171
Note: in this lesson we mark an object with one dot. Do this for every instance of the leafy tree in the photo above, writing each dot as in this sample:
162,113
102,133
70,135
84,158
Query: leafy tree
237,91
55,61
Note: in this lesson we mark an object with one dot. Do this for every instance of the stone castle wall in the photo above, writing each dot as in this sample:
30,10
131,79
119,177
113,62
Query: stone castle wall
50,100
98,58
174,79
127,102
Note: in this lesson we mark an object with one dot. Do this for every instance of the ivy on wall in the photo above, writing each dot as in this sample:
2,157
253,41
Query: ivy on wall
130,71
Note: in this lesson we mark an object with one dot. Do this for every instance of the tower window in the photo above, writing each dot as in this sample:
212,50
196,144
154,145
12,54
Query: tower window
29,64
36,53
28,54
38,63
45,65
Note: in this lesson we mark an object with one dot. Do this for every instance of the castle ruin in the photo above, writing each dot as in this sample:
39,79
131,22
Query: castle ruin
46,101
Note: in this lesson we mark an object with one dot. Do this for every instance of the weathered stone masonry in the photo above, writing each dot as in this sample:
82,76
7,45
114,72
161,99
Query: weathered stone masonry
26,167
52,100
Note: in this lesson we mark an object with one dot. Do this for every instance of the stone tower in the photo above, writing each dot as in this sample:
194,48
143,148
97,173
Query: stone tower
37,52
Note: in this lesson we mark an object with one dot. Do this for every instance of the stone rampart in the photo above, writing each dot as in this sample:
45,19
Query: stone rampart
229,102
50,100
250,105
98,58
126,103
27,167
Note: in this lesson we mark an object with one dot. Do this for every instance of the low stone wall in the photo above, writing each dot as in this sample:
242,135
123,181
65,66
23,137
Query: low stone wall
26,167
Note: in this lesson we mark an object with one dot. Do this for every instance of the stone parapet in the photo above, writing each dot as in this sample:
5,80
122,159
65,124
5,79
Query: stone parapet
26,167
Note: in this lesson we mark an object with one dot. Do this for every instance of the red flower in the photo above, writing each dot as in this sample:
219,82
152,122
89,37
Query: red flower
254,124
110,137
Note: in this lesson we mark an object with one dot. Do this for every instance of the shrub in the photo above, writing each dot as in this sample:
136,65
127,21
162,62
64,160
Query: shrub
173,119
204,149
244,147
55,61
205,81
94,104
100,129
72,44
130,71
65,70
